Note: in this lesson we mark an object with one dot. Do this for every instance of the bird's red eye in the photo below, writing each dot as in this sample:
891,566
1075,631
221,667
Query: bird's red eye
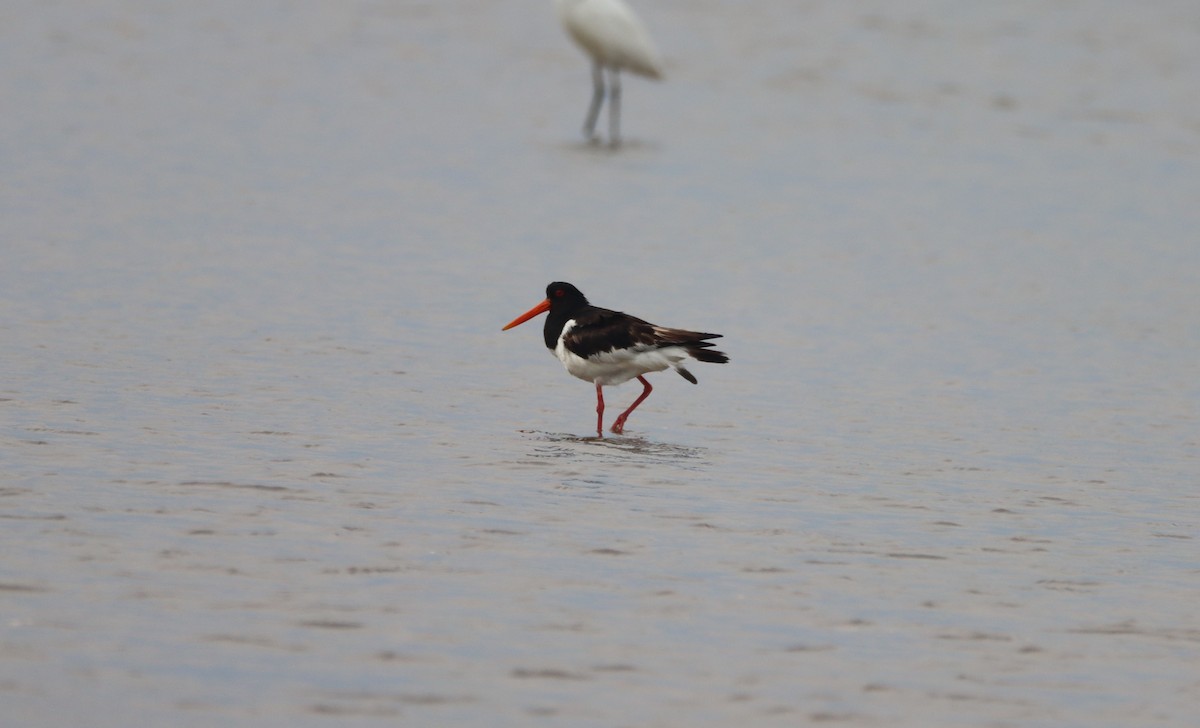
559,293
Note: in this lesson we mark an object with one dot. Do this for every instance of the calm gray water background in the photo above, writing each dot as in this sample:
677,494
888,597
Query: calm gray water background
268,460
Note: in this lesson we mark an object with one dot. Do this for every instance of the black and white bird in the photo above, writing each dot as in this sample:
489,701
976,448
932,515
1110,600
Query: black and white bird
609,347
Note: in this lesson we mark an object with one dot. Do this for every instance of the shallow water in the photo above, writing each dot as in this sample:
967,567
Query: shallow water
269,460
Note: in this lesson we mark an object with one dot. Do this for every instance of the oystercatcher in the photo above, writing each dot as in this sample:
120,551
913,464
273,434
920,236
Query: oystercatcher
609,347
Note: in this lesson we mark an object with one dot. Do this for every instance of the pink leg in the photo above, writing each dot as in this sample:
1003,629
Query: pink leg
619,426
599,412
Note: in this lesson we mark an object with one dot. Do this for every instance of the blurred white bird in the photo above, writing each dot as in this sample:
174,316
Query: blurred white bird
615,38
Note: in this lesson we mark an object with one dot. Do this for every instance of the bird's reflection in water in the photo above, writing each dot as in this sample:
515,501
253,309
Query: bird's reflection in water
613,450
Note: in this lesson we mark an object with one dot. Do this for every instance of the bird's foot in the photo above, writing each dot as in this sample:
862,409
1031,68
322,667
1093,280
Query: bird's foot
618,427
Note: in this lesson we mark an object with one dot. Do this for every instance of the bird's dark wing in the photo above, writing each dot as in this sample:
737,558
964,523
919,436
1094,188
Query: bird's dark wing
598,330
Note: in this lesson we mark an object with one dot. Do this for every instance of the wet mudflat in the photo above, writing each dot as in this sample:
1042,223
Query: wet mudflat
269,460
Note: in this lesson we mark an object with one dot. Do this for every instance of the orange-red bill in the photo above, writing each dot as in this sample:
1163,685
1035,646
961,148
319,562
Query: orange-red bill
542,307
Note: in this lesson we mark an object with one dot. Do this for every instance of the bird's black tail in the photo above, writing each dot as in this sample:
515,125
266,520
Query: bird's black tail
703,351
695,343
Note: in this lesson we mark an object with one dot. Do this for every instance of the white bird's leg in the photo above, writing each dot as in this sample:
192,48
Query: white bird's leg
614,107
589,124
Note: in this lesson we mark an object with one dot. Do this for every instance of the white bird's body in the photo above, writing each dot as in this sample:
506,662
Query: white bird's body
615,39
611,34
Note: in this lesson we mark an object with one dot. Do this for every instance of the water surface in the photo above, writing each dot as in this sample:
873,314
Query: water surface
269,460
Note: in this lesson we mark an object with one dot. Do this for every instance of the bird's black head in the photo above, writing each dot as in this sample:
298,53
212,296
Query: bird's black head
566,302
563,300
564,296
